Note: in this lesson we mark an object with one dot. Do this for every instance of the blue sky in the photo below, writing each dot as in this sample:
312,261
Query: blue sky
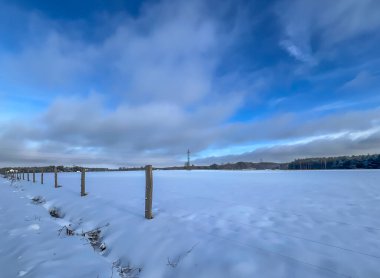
122,83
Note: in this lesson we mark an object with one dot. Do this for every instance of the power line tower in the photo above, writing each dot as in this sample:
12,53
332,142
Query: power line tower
188,159
187,164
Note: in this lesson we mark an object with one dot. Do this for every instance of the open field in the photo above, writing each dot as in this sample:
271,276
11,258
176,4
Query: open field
206,224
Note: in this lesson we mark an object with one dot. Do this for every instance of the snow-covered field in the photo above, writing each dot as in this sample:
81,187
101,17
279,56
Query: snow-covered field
206,224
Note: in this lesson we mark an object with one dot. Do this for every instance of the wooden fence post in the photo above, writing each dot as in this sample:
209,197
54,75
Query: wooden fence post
83,183
28,175
55,177
148,191
23,177
42,176
34,175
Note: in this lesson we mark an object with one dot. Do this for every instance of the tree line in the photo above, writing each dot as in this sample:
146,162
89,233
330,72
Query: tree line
341,162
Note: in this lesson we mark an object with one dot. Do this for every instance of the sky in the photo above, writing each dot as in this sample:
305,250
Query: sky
128,83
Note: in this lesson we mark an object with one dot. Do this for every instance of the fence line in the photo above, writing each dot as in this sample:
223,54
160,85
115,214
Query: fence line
15,174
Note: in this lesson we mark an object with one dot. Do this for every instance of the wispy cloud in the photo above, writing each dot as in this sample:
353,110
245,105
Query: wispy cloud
297,53
325,24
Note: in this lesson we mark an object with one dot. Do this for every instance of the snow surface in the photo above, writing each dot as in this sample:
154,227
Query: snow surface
206,224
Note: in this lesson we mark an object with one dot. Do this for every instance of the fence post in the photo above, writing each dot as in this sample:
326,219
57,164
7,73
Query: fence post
148,191
34,175
28,175
23,177
83,183
55,178
42,176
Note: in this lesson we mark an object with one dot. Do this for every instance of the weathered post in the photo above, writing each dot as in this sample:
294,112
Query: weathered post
83,183
148,191
34,175
55,177
42,176
27,175
23,177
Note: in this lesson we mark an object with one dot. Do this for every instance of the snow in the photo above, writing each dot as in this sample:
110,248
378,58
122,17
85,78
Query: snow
206,224
22,273
34,227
